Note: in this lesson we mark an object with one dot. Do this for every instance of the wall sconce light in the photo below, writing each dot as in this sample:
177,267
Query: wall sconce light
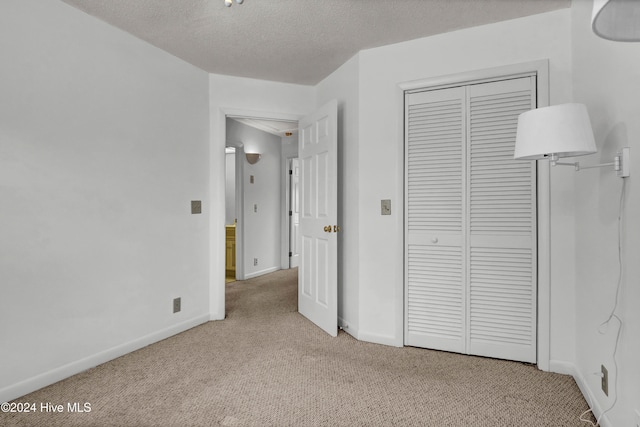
616,20
561,131
252,158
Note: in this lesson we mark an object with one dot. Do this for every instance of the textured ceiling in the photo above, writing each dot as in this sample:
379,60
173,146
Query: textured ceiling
295,41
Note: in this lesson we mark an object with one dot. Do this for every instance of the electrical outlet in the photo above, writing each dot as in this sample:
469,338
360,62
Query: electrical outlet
255,261
176,305
605,380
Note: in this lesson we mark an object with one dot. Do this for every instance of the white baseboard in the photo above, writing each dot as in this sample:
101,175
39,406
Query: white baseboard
567,368
216,316
562,367
261,272
42,380
380,339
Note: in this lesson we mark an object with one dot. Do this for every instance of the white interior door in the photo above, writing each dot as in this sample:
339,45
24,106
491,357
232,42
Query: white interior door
294,214
318,271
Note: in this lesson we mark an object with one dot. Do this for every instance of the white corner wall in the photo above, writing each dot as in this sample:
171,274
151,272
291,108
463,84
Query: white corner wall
382,70
247,97
261,227
103,144
606,80
343,85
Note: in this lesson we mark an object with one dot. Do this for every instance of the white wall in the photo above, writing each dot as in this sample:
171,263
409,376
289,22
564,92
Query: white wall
248,97
343,85
289,146
103,144
606,80
380,157
261,229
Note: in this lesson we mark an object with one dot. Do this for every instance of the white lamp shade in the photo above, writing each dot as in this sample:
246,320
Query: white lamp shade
617,20
564,130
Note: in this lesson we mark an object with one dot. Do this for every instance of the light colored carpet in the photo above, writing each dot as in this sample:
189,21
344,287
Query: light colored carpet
266,365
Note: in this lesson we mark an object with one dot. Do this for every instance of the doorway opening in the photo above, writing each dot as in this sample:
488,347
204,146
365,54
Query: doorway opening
470,225
258,195
258,226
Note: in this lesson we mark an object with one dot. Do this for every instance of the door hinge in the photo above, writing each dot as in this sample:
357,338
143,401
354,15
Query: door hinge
290,172
290,213
290,254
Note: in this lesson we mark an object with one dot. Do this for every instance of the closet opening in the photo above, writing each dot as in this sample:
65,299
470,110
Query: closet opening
471,220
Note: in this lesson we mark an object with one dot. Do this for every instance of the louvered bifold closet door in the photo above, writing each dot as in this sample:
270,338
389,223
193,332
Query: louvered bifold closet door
502,224
435,212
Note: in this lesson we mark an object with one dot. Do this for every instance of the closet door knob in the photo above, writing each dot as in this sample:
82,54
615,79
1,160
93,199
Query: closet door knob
434,240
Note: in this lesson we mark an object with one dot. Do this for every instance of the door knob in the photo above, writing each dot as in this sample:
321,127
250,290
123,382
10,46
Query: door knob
327,229
336,228
434,240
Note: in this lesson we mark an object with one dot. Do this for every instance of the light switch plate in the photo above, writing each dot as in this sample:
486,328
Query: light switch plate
385,207
196,207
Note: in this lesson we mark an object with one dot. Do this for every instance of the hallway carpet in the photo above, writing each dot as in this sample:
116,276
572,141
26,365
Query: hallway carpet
266,365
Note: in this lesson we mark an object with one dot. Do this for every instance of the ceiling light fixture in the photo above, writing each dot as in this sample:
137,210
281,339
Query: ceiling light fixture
561,131
228,3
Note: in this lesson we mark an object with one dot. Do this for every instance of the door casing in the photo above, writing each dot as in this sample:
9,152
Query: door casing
292,260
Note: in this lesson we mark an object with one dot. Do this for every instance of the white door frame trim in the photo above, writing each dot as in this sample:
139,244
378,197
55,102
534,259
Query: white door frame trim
541,69
286,218
285,246
239,191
